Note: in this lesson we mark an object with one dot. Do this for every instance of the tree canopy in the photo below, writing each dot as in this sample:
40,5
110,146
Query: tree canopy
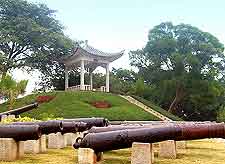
185,64
30,36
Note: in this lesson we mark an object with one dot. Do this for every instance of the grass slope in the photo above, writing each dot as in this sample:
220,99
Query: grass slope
76,104
157,108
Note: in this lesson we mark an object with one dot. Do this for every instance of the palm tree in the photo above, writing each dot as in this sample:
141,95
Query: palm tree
10,89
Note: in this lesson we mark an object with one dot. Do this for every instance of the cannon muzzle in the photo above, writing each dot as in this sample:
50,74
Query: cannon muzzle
20,132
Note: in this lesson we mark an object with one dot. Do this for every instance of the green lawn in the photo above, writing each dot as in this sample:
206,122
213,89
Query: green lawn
76,104
198,152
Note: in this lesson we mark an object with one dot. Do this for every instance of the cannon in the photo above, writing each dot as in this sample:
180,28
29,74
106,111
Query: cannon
55,126
46,127
73,127
116,139
137,126
120,139
98,122
18,111
20,132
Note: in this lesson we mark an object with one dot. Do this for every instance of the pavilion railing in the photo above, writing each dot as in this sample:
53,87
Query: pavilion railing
86,88
78,88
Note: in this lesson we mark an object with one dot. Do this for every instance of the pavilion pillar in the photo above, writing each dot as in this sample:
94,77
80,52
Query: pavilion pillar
82,71
66,78
107,78
91,80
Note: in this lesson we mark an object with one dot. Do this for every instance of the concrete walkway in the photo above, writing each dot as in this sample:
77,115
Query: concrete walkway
146,108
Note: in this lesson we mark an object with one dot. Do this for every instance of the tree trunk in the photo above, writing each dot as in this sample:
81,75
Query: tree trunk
177,99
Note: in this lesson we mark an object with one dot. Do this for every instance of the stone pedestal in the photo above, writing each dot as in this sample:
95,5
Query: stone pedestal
167,149
181,144
56,141
63,140
20,149
43,144
142,153
8,149
70,138
86,156
32,146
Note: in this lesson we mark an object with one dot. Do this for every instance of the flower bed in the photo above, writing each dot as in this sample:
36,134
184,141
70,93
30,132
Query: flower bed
101,104
43,99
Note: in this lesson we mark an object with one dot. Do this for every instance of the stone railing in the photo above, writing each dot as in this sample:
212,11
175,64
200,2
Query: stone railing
86,88
78,88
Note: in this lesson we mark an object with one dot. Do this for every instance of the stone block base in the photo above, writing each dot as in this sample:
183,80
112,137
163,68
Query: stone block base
181,144
32,146
167,149
86,156
43,144
20,149
56,141
70,138
142,153
8,149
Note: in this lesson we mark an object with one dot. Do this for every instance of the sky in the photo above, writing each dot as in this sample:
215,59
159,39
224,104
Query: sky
115,25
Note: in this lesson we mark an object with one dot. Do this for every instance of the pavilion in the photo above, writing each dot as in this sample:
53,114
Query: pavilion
88,59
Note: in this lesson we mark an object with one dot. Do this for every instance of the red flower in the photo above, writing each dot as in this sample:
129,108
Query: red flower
101,104
43,99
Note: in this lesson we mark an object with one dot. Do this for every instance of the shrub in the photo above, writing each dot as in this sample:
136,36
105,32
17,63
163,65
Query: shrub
19,119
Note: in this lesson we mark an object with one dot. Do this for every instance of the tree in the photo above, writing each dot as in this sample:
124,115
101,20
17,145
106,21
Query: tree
30,35
10,89
178,56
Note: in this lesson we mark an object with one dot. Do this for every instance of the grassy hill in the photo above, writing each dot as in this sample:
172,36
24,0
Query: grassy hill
77,104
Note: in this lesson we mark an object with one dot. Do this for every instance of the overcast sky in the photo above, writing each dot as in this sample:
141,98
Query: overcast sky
114,25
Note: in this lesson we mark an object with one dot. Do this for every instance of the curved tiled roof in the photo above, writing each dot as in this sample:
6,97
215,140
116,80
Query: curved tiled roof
97,52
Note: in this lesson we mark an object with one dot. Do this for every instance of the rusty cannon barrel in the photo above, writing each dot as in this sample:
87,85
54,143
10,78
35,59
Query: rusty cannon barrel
201,131
120,139
18,111
20,132
117,127
149,125
98,122
46,127
73,127
117,137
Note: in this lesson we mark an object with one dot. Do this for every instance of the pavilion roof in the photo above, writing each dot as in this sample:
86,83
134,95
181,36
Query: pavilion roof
94,51
90,51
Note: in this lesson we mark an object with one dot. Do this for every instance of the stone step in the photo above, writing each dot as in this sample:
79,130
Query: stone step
146,108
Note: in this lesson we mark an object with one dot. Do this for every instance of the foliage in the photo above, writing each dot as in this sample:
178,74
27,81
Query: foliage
76,104
30,36
184,65
10,89
19,119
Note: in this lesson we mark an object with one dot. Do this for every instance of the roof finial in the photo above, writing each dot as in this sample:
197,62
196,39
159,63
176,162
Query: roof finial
86,42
